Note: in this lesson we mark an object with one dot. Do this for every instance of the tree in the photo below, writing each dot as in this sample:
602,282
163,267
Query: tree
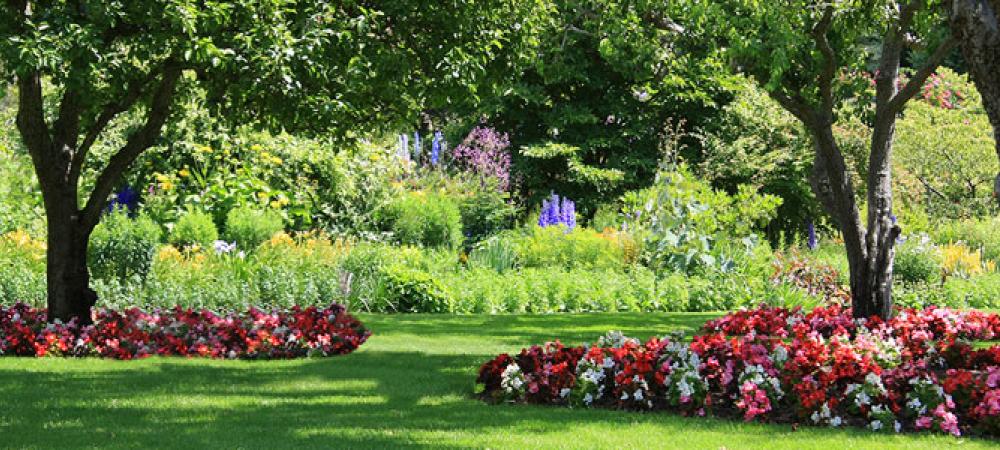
976,25
807,55
323,67
587,115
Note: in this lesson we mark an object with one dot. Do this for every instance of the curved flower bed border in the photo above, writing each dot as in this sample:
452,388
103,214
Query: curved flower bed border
130,334
918,371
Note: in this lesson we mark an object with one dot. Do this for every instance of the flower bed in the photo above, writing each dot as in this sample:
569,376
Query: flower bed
134,333
918,371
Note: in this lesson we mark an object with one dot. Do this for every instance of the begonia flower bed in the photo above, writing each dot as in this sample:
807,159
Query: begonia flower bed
133,333
923,370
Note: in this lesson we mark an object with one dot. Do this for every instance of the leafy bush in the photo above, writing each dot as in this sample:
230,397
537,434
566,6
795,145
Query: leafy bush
981,234
194,228
494,253
917,261
430,220
122,247
22,269
485,209
250,227
555,247
754,141
691,228
944,155
405,289
20,203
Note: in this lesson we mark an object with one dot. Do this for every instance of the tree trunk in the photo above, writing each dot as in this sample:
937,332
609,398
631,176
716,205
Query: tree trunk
68,279
976,24
869,257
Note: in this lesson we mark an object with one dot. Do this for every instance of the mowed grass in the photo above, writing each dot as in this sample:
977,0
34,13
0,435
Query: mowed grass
411,385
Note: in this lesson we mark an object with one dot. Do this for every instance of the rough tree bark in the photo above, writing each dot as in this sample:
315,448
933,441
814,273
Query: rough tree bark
976,25
870,247
58,152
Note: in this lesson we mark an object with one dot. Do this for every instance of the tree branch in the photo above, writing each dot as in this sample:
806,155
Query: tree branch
110,111
138,141
31,124
66,129
819,32
917,81
796,105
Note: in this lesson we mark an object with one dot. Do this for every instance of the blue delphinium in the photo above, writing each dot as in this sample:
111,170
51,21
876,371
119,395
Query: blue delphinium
436,148
127,199
568,212
416,146
404,147
812,236
556,211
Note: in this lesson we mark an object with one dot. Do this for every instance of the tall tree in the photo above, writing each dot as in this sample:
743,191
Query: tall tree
807,55
976,25
297,65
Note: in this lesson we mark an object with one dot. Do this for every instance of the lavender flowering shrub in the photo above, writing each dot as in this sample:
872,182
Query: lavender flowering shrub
485,152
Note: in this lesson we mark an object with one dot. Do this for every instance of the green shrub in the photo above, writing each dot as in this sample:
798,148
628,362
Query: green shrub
917,261
691,228
405,289
978,234
485,211
249,227
22,269
494,253
122,247
194,228
580,248
981,292
430,220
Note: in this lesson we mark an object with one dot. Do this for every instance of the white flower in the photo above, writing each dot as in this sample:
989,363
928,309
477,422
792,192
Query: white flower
588,399
876,425
638,395
564,392
897,426
624,396
836,421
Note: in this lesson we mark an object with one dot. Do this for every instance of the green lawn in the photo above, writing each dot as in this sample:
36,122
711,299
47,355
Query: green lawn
410,385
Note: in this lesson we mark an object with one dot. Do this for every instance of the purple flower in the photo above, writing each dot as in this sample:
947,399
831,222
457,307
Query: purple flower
812,236
485,152
127,198
436,147
556,211
404,147
416,146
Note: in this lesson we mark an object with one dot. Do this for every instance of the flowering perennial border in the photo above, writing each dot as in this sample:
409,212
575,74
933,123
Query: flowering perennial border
918,371
133,333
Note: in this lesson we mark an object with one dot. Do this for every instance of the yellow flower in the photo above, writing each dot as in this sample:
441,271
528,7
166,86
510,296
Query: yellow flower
167,185
280,239
275,204
203,149
262,195
961,261
184,173
256,148
169,253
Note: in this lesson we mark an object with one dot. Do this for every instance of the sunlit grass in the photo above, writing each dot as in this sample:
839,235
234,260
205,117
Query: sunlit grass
411,385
